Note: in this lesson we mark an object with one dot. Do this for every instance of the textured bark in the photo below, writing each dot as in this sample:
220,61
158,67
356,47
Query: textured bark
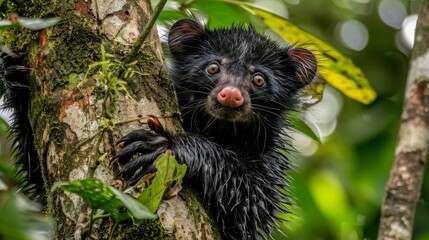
76,120
406,177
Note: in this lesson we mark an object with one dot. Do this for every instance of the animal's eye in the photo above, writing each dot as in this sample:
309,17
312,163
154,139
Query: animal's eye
213,68
258,80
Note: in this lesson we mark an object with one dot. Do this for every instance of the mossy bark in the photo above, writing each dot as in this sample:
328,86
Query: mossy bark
78,113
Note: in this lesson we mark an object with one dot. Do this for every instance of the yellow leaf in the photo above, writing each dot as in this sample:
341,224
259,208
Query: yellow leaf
335,68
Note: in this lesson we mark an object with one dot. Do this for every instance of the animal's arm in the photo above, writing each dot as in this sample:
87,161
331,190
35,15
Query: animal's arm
242,196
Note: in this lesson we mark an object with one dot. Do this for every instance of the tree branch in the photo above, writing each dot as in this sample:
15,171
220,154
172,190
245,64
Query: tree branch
139,42
404,185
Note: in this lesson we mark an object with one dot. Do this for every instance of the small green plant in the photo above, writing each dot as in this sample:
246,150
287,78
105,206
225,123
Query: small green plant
104,198
107,78
106,201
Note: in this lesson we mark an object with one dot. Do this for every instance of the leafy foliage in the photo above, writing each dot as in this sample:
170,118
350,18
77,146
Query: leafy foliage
169,176
336,69
297,123
4,127
20,218
99,195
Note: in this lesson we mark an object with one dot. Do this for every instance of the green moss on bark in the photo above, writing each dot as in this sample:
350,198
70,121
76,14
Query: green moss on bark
58,67
148,229
74,47
155,84
20,37
197,209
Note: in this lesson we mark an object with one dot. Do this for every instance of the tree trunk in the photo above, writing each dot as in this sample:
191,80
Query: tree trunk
78,112
406,177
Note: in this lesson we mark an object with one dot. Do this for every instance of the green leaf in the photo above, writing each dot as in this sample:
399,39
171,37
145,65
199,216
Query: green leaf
299,125
4,126
5,24
20,219
6,170
335,68
169,171
37,23
137,209
225,14
168,15
95,193
99,195
11,174
30,23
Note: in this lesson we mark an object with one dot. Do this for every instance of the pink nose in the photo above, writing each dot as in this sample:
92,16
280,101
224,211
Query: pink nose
230,97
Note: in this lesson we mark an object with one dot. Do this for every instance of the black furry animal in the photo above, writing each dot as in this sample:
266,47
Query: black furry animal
15,92
234,87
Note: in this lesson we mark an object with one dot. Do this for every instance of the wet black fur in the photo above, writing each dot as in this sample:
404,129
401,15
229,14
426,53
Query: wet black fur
238,166
14,88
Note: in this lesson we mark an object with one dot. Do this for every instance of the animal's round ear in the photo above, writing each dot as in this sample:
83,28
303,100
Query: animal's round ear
306,64
182,33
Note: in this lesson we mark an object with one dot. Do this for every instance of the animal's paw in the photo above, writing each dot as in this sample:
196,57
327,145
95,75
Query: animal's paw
139,149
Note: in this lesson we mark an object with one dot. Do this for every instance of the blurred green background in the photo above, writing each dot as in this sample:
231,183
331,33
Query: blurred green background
341,186
338,184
